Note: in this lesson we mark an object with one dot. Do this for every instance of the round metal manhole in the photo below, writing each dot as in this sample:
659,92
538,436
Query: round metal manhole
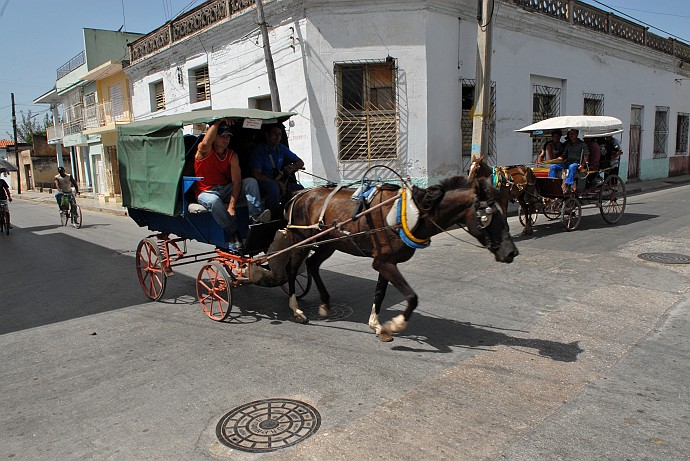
665,258
268,425
337,312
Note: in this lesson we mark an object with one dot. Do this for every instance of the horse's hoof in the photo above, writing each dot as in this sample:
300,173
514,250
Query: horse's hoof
301,318
385,337
324,311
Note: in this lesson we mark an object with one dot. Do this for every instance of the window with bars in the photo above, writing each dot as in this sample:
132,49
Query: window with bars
157,92
682,126
660,131
366,96
466,122
546,103
594,104
200,84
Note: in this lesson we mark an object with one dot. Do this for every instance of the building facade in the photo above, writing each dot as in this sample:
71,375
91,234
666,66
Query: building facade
392,82
90,97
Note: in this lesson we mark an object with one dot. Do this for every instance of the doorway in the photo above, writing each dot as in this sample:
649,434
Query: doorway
635,142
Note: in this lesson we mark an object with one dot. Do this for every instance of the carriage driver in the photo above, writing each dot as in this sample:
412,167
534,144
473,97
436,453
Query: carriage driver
574,151
222,183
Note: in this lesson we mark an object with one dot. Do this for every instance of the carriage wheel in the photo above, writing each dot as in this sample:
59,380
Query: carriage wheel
571,212
152,277
213,287
532,217
302,285
552,209
76,216
612,199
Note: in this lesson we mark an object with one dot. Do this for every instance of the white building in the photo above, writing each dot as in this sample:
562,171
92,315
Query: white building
391,82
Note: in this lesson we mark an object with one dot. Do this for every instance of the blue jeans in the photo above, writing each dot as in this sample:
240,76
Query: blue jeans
58,197
572,170
216,200
270,191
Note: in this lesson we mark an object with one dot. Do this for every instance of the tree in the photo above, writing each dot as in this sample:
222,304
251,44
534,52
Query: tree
28,127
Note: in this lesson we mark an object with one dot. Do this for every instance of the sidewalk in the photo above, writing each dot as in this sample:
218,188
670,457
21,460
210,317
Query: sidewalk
92,203
86,201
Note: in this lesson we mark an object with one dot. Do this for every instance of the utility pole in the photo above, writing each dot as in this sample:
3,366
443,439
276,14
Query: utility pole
270,68
16,148
482,85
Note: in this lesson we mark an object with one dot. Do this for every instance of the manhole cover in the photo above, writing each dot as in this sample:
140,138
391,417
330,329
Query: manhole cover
268,425
337,312
665,258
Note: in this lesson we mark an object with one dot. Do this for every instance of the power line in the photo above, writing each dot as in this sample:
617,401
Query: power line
640,21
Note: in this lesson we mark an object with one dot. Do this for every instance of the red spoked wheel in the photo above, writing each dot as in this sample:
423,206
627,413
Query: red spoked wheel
150,271
214,289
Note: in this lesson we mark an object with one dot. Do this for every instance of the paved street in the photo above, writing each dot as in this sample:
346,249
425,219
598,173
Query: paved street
578,350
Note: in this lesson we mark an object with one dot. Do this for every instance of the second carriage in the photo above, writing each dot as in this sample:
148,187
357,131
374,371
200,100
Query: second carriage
596,185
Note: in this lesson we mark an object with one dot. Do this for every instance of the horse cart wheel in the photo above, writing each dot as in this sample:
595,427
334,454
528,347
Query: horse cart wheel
213,287
152,277
571,212
612,199
532,217
302,285
552,209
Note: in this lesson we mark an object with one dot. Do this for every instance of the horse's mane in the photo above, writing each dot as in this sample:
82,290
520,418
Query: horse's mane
427,199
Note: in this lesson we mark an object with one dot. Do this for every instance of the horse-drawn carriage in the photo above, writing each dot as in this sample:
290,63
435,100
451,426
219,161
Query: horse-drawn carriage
157,176
597,184
156,173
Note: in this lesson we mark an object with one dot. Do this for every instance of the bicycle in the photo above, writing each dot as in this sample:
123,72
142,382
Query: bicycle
70,211
4,217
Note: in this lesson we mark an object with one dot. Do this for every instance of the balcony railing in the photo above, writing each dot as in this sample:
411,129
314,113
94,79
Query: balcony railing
105,113
55,133
202,17
69,66
590,17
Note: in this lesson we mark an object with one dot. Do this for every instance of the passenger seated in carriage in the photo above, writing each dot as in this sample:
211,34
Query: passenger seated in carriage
274,165
575,152
222,186
552,148
611,153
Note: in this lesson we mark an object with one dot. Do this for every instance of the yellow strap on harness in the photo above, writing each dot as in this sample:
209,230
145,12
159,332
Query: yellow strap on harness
403,219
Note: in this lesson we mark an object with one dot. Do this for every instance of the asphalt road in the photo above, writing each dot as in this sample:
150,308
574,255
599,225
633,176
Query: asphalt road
577,350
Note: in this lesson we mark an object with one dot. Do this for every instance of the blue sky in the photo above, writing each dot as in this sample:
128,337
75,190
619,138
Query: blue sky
38,36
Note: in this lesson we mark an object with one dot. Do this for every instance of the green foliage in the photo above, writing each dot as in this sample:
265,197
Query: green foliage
29,126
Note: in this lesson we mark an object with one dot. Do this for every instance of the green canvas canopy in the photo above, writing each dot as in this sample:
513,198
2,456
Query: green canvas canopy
151,155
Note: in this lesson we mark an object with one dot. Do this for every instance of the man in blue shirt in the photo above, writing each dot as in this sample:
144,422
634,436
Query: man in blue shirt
273,165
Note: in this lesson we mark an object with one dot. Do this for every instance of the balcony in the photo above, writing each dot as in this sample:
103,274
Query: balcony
72,64
583,15
55,133
106,113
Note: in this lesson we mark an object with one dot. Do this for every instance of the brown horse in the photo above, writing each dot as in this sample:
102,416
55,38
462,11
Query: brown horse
518,181
456,200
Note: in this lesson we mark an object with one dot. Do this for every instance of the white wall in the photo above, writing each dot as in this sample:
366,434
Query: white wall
434,44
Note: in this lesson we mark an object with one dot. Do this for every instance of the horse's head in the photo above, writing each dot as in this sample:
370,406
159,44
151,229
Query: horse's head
478,169
487,220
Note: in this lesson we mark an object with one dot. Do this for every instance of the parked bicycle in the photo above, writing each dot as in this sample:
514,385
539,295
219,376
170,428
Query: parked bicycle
70,211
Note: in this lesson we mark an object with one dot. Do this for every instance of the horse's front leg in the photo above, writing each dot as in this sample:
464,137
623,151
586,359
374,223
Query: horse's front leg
397,324
313,263
293,271
379,294
526,213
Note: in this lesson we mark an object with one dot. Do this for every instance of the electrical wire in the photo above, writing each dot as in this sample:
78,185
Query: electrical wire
640,21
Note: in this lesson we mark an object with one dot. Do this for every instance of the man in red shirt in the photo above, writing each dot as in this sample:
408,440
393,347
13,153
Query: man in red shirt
219,190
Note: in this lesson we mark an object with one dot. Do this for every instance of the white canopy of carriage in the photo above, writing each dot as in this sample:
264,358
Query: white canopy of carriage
590,126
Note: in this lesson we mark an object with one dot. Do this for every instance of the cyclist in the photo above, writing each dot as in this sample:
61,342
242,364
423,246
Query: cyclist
63,183
5,191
